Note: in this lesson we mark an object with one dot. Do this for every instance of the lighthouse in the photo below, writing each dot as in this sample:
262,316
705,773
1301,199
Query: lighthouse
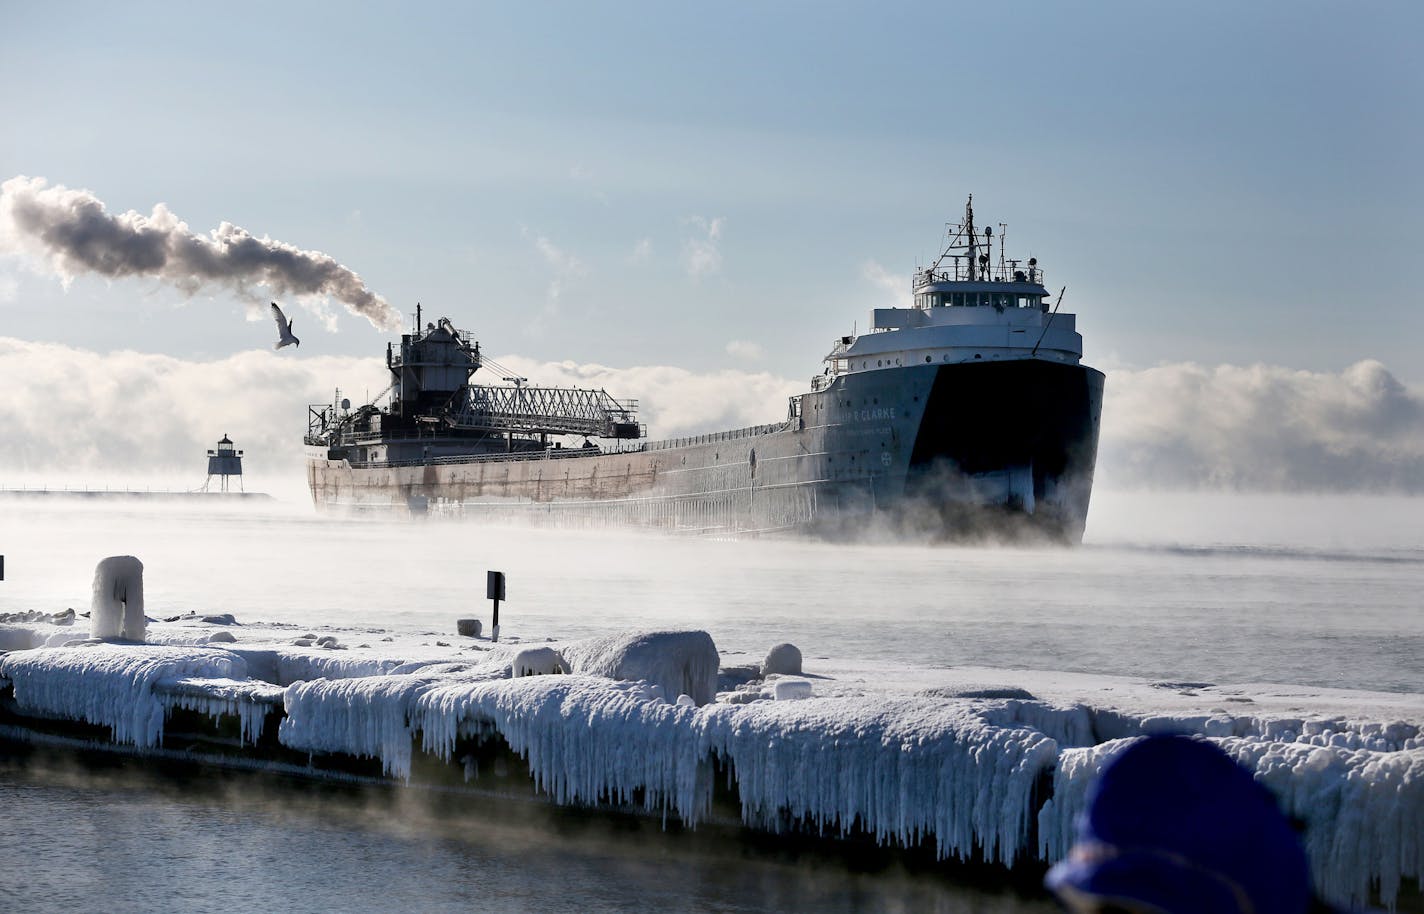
224,462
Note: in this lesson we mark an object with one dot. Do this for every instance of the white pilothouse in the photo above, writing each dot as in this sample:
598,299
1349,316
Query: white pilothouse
965,310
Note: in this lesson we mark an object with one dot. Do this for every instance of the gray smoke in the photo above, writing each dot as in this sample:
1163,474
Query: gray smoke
75,234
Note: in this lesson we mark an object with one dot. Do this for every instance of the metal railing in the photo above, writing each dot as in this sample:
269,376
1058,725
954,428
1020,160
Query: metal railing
957,270
750,431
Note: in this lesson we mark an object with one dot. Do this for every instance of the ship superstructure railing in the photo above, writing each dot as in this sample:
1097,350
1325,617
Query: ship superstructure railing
496,457
956,269
568,453
750,431
548,410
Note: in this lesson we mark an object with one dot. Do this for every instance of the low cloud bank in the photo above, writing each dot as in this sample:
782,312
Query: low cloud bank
674,402
1262,428
69,412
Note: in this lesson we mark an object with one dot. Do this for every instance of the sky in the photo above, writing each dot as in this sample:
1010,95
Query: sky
711,190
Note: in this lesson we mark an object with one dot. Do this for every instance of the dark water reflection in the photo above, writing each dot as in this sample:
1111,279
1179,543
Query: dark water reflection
118,840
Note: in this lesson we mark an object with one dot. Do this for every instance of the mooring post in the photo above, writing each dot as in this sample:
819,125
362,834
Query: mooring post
494,590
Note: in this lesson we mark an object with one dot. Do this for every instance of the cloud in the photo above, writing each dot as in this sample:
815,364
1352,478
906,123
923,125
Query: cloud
701,255
895,289
1263,428
1259,428
642,250
72,233
745,350
562,265
69,410
673,402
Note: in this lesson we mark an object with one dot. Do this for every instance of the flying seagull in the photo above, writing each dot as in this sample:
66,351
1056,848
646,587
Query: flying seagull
284,327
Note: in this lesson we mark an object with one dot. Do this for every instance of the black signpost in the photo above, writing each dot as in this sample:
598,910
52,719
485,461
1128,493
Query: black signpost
494,590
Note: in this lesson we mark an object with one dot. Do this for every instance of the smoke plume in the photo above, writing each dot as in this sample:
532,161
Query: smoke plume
75,234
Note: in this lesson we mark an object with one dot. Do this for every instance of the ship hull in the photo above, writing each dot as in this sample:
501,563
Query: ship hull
1005,448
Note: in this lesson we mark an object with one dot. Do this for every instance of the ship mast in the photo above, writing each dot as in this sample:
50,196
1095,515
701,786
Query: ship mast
969,231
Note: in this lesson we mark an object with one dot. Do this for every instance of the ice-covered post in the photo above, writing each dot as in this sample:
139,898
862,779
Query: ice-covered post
117,608
494,590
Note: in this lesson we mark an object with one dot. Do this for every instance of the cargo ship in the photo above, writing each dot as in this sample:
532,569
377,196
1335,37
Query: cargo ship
967,413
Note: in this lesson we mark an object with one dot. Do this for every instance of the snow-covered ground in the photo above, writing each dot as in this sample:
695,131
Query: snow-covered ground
951,756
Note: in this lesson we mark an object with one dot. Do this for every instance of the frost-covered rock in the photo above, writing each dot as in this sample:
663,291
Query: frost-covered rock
791,689
19,638
538,661
677,663
117,607
782,660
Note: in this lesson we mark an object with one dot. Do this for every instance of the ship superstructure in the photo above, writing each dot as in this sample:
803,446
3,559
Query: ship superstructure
968,410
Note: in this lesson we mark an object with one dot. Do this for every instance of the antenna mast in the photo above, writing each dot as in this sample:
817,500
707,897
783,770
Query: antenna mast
969,230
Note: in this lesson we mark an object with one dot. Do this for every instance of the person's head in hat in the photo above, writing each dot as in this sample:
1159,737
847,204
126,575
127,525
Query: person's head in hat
1174,826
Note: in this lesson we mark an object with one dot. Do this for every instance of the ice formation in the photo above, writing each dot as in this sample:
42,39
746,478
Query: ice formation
366,716
111,684
902,769
117,607
678,663
972,769
248,701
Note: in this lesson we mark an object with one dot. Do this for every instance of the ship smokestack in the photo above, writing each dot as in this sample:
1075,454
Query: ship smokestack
75,234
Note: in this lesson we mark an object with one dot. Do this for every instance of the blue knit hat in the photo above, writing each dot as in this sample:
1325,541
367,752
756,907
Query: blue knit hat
1174,825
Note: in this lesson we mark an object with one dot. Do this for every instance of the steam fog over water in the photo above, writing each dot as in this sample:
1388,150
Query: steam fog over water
1310,590
150,846
1314,590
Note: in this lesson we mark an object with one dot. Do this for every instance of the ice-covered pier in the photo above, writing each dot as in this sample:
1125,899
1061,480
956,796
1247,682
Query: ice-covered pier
979,764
